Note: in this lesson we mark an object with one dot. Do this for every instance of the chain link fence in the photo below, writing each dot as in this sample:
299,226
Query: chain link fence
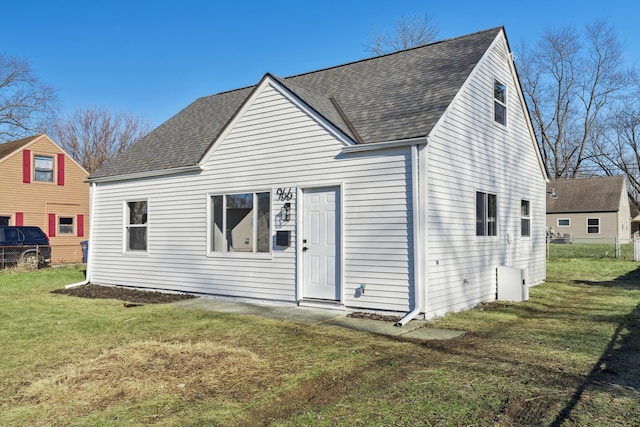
598,247
30,257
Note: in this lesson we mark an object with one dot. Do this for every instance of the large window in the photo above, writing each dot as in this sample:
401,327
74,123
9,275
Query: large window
43,168
241,222
499,102
486,214
525,218
593,225
136,228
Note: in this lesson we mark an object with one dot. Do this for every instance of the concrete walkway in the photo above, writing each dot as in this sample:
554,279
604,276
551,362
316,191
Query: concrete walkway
415,329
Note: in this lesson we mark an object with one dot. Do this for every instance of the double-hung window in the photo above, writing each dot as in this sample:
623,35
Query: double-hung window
499,103
43,168
486,214
136,225
65,225
241,222
525,218
593,225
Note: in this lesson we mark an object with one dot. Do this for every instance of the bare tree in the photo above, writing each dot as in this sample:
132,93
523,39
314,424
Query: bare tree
570,82
95,135
27,105
407,33
617,150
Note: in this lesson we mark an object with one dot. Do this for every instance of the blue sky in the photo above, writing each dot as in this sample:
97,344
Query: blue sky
153,58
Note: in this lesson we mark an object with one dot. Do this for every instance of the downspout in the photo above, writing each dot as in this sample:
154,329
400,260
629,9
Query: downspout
417,239
89,257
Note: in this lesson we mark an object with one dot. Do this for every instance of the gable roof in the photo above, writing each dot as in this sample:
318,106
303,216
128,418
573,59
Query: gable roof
11,146
393,97
600,194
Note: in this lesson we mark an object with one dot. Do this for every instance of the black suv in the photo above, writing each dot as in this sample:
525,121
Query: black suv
19,244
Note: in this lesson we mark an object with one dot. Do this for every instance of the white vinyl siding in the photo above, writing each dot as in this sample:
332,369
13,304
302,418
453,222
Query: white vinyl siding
273,145
466,153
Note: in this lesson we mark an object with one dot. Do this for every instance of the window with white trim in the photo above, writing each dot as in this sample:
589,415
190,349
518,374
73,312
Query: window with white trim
241,222
136,225
65,225
564,222
593,225
525,218
499,103
43,168
486,214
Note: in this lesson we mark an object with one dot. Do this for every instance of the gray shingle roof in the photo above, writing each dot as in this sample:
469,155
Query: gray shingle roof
600,194
392,97
11,146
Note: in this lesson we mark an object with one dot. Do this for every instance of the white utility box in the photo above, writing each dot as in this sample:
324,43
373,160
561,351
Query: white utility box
512,284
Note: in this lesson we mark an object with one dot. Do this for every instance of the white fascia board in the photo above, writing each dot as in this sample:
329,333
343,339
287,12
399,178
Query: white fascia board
146,174
384,145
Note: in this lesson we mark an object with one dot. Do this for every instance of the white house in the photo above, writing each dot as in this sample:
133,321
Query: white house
398,183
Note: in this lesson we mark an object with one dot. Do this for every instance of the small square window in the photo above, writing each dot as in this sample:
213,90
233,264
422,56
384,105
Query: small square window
43,168
65,225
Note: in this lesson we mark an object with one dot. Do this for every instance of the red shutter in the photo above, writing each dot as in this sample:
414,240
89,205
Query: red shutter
80,225
60,169
19,218
26,166
52,225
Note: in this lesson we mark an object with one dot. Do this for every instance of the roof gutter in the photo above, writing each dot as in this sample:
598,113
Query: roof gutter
145,174
383,145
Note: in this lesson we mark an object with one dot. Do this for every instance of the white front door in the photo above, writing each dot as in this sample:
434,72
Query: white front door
321,244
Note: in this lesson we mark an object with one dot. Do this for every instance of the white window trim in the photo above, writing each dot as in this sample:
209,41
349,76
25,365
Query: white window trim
525,236
252,255
53,169
504,104
562,219
73,225
486,224
125,225
587,224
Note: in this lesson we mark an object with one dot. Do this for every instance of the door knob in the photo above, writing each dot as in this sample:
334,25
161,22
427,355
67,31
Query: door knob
305,249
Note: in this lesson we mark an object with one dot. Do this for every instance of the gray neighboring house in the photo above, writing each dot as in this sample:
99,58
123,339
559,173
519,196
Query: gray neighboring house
588,210
398,183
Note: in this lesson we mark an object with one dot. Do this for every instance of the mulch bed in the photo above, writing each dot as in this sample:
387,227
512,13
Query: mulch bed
134,296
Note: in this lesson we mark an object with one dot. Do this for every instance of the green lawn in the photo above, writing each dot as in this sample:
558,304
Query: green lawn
568,356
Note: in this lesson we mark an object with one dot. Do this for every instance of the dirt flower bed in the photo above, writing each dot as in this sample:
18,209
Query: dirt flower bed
134,296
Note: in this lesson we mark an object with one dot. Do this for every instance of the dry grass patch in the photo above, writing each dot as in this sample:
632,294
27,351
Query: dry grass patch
192,371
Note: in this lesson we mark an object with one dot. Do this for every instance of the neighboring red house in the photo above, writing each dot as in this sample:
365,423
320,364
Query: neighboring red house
42,185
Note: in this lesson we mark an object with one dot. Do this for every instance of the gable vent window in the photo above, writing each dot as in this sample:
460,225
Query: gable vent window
499,103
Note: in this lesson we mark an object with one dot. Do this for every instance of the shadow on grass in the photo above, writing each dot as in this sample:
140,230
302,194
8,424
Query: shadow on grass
631,281
619,364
